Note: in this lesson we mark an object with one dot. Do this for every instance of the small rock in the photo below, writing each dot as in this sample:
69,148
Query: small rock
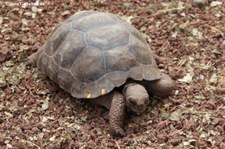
217,15
9,115
213,79
84,118
161,125
175,141
1,20
87,127
111,145
187,78
185,143
65,13
220,90
2,79
13,16
163,137
222,145
44,119
24,22
84,138
4,52
35,129
175,116
128,5
223,43
196,33
9,63
34,9
154,101
44,106
199,3
9,146
216,3
52,138
40,135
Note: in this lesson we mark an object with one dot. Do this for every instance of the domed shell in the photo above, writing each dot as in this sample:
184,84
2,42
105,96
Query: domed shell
91,53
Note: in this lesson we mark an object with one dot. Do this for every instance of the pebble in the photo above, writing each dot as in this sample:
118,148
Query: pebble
199,3
215,3
128,5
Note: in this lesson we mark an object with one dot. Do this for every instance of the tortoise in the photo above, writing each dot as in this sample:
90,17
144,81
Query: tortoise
98,56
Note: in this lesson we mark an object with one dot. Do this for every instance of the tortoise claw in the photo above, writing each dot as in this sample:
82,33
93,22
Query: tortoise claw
118,132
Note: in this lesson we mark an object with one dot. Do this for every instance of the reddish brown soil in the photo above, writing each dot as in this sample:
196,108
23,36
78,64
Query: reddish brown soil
188,42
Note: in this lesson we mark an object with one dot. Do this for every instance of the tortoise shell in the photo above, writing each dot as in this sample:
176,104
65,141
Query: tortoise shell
91,53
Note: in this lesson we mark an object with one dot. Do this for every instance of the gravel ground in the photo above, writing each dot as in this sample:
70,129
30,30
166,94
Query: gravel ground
188,43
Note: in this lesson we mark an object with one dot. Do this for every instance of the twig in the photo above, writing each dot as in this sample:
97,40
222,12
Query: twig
220,90
168,10
215,29
117,144
30,143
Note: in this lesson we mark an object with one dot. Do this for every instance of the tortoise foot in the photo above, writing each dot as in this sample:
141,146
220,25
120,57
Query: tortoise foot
117,132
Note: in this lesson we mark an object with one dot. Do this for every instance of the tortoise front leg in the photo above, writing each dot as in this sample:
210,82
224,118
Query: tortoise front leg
116,114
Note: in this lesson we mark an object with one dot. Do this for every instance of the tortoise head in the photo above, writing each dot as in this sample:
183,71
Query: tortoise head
137,98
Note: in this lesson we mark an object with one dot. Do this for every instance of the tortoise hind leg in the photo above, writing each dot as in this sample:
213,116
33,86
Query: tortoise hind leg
33,58
116,114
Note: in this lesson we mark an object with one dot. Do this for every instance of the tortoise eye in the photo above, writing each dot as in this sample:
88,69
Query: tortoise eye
146,102
132,102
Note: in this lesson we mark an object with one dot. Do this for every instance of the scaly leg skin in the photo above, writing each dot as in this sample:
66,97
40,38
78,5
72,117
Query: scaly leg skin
116,114
30,60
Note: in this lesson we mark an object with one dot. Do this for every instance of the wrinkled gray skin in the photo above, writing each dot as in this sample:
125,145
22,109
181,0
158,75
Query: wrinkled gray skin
135,96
